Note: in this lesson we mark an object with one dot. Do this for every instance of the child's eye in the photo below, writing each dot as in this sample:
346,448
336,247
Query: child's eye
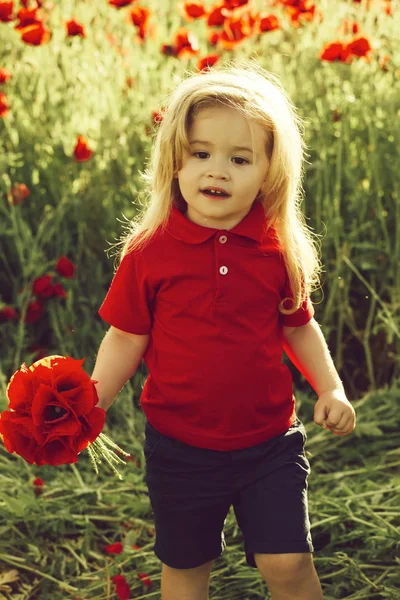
235,157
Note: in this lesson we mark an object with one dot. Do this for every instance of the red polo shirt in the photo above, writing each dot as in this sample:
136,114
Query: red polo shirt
209,300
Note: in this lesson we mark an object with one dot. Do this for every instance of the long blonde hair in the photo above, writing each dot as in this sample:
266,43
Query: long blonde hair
259,96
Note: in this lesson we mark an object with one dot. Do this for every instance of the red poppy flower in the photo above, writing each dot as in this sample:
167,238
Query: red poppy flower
192,10
116,548
207,62
268,22
8,313
335,51
74,28
121,587
145,578
33,31
186,43
6,11
42,286
82,152
216,16
359,46
19,192
38,485
57,289
34,311
139,16
3,105
53,414
4,75
65,267
120,3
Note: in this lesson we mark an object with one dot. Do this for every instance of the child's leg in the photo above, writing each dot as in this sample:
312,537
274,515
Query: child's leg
290,576
185,584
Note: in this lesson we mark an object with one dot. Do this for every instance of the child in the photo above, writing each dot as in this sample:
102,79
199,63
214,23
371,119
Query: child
200,294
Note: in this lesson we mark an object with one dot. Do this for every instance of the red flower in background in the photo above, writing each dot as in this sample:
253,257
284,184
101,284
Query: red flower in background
31,26
65,267
145,578
4,75
233,4
82,151
6,11
19,192
359,46
8,313
74,28
185,43
139,16
217,16
3,105
43,288
34,312
38,485
236,31
53,414
57,290
349,27
212,38
121,587
192,10
116,548
120,3
26,2
157,117
268,22
341,51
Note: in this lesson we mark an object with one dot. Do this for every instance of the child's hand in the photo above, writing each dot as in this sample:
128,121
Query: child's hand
333,411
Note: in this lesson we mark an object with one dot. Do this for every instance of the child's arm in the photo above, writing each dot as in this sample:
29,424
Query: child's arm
309,352
120,353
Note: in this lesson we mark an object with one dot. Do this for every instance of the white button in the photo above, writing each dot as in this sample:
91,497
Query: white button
223,270
223,239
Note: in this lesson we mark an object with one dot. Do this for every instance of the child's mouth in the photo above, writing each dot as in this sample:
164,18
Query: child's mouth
215,196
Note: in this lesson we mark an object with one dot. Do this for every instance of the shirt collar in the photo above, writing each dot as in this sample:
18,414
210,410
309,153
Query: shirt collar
252,226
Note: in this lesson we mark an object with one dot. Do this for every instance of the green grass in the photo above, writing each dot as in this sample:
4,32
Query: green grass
56,540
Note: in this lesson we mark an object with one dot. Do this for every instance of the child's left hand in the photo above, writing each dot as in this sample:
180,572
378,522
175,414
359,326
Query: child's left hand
334,411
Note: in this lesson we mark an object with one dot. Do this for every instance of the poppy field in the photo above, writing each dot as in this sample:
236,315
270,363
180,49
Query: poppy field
82,84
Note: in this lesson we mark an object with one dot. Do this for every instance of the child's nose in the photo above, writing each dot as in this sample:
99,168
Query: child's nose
217,168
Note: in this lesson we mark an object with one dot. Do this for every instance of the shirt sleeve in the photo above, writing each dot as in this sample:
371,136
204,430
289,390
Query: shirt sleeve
127,304
302,316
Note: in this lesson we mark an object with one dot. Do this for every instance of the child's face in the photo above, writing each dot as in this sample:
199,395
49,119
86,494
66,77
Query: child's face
218,164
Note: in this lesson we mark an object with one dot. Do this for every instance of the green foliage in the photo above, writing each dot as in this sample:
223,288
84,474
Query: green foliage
57,538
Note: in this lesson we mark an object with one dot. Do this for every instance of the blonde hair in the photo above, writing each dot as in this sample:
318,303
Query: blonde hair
259,96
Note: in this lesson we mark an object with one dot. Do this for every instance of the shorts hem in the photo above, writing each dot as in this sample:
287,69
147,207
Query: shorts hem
277,548
185,564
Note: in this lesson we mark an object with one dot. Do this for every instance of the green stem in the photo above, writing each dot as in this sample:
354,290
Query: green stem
17,563
78,476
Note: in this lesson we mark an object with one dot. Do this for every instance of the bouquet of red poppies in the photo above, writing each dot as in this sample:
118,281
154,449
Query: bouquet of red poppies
53,415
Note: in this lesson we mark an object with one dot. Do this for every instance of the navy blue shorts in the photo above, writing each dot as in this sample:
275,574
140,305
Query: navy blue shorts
191,491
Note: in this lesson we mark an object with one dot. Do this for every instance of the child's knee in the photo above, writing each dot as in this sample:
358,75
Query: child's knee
186,584
284,567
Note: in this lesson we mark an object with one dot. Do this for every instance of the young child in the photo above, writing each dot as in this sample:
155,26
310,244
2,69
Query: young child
199,294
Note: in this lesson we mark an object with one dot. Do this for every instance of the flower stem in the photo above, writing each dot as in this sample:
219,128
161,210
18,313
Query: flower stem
17,563
78,476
